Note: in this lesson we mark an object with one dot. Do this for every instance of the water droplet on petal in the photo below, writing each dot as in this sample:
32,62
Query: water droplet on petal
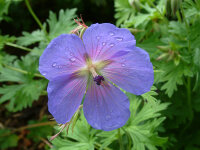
98,37
108,117
71,54
98,51
54,64
119,39
104,43
60,67
123,65
55,44
112,44
44,73
72,59
49,89
127,70
111,33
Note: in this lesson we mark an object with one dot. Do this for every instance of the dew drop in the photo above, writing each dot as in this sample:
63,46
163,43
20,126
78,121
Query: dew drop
112,44
55,44
108,117
127,70
98,51
119,39
104,43
49,89
71,54
123,65
111,33
72,59
44,73
54,64
98,37
60,67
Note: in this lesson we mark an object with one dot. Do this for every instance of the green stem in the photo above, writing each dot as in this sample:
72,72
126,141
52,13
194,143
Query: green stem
49,123
20,47
36,19
22,71
120,139
33,14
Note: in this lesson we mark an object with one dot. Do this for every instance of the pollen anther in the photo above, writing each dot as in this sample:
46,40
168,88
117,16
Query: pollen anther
98,79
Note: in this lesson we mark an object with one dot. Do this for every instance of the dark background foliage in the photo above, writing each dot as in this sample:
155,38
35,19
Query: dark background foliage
91,11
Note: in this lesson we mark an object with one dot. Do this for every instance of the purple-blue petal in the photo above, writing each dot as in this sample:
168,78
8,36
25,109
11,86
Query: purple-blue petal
65,94
132,72
104,40
63,56
106,107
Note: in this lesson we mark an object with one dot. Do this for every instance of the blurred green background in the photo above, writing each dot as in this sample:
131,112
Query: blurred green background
165,118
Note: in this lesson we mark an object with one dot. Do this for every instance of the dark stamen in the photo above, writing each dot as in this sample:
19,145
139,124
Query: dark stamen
98,79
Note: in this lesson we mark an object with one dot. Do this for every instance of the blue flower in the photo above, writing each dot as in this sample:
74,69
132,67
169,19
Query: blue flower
105,55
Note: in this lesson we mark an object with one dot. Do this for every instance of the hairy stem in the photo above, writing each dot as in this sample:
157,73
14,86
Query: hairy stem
30,126
22,71
33,14
19,47
36,18
46,142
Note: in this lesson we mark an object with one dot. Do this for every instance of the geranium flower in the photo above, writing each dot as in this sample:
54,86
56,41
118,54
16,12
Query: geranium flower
105,55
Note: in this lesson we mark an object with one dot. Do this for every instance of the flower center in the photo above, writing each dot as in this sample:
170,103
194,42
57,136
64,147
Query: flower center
95,67
97,78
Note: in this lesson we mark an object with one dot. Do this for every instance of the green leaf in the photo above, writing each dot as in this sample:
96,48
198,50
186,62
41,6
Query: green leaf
172,76
7,141
31,38
82,137
24,89
123,11
4,39
63,24
39,132
6,59
191,8
177,28
144,122
137,12
149,96
4,6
